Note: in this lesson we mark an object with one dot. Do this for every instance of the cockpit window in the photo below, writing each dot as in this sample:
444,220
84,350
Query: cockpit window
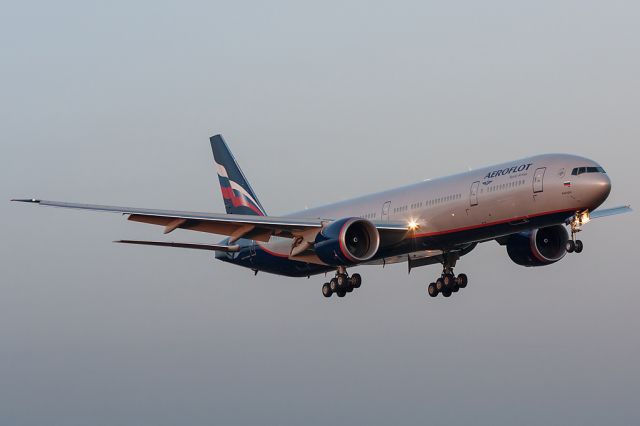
581,170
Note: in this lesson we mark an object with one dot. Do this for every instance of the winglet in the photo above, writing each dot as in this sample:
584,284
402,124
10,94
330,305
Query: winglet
26,200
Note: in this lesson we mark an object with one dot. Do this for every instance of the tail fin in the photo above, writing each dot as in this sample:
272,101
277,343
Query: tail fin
238,195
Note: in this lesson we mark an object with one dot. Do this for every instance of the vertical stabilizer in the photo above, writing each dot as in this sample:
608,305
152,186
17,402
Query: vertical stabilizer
237,193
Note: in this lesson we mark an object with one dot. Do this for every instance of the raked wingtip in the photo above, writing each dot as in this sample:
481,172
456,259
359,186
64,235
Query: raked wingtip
25,200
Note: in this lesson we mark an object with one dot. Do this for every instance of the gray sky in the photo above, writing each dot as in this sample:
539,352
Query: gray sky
113,103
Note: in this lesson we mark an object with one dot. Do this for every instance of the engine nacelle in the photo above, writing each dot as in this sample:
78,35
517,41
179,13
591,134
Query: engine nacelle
347,241
539,247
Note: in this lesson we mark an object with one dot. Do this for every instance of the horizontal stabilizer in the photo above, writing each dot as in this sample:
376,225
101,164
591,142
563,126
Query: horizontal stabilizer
211,247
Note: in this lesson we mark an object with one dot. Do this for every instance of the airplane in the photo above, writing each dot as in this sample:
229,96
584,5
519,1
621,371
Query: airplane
534,207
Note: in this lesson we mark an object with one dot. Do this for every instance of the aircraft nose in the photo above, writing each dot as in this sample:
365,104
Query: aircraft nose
603,183
599,187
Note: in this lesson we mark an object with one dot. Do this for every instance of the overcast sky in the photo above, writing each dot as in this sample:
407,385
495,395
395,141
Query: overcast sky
113,102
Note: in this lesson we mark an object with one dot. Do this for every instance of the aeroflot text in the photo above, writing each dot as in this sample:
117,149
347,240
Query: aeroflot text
508,171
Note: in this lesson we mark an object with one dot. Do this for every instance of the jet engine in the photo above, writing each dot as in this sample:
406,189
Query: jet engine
539,247
347,241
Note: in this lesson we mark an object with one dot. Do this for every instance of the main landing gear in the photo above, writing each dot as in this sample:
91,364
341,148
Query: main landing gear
448,283
579,219
341,284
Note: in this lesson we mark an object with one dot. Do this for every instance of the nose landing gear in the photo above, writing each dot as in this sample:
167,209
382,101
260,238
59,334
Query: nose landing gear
574,246
579,219
341,284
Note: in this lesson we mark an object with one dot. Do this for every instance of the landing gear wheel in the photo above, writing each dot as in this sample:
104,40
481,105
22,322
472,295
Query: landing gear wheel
446,292
326,290
342,280
440,285
570,246
432,290
455,288
333,285
341,292
448,280
462,280
579,246
348,289
356,280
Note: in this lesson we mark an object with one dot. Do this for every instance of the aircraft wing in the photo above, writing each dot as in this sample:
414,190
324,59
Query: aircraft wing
610,212
196,246
236,226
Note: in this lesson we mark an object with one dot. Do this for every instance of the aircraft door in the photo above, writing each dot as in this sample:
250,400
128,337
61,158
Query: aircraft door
474,193
385,211
538,180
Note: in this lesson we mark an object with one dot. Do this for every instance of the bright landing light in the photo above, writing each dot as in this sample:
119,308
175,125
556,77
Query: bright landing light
585,218
413,225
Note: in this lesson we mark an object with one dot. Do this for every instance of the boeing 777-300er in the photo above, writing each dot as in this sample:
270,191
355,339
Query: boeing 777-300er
534,207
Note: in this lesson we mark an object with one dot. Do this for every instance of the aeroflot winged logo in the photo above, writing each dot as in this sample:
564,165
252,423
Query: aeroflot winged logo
504,172
234,194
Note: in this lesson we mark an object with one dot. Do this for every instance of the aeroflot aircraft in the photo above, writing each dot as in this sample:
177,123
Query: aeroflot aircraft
524,205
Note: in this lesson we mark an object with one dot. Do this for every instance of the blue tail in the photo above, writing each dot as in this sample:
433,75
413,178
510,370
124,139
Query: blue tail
238,195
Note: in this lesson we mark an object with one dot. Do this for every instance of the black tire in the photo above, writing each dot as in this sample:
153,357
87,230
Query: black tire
570,246
342,280
432,290
462,280
333,285
341,292
455,288
579,246
348,289
439,285
326,290
446,292
449,280
356,280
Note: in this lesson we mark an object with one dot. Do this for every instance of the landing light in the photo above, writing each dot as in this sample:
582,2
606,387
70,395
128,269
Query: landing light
585,217
413,225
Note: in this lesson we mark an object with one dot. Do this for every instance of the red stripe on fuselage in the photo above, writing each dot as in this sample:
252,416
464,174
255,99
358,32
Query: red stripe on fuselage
273,253
485,225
